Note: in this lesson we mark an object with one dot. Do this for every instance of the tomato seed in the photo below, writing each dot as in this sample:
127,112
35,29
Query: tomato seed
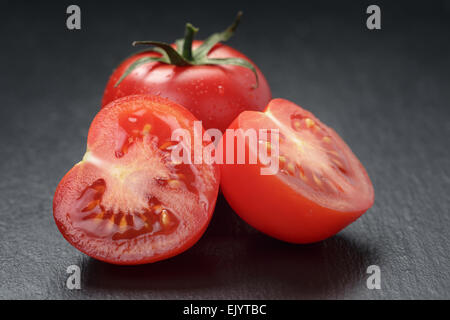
309,123
91,205
317,180
326,139
165,219
291,168
146,129
166,145
174,183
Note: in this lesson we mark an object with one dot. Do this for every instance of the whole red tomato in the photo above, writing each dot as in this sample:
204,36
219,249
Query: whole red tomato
214,81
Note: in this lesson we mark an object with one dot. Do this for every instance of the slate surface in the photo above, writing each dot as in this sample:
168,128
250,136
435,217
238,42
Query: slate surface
386,93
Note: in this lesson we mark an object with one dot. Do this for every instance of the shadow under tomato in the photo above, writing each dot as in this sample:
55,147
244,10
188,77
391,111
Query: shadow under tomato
233,260
322,270
183,272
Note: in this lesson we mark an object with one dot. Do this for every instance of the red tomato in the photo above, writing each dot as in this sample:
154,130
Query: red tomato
215,93
320,186
126,202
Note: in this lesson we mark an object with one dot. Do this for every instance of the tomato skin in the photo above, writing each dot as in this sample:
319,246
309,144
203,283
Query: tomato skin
146,248
214,94
276,209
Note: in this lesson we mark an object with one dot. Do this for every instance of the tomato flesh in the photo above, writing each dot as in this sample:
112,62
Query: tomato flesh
320,186
127,202
91,216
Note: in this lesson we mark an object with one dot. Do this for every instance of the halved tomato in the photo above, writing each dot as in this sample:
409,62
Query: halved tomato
320,186
127,202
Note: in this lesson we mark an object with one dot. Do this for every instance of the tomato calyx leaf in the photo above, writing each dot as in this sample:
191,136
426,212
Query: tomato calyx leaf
169,53
235,62
183,55
136,64
203,50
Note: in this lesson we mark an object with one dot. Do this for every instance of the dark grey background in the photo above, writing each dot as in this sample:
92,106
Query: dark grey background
385,92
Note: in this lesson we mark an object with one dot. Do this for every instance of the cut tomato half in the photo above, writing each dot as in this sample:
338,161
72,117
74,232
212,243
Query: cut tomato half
319,188
127,201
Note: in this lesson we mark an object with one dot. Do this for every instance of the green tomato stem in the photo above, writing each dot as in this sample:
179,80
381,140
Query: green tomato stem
189,35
